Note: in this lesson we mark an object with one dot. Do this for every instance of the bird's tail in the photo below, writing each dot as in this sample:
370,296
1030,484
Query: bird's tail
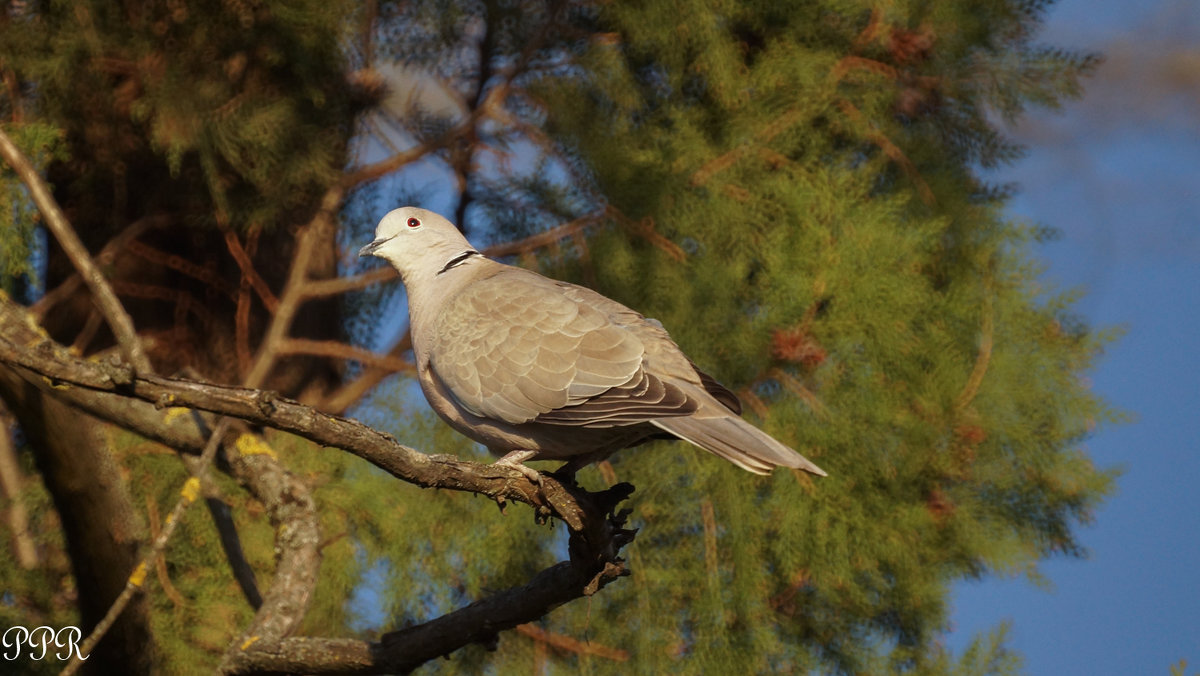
737,441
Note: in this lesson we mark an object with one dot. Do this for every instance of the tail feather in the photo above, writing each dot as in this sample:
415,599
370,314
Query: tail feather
737,441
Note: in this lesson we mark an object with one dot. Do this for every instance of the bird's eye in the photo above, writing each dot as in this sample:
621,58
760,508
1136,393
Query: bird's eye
413,222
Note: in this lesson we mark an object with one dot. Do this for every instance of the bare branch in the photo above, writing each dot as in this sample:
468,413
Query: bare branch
400,160
297,539
106,300
106,256
542,239
347,394
570,644
24,548
243,573
586,573
293,291
315,288
595,539
46,365
249,274
340,350
890,149
160,561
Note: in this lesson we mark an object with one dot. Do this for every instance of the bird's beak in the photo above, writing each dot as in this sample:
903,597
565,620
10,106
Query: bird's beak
369,250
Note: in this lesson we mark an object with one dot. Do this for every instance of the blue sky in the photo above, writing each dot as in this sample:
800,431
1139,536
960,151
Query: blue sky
1118,174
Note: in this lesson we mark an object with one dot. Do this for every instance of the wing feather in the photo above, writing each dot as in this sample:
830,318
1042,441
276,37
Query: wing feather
518,347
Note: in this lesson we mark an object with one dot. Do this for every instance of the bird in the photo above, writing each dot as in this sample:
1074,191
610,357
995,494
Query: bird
539,369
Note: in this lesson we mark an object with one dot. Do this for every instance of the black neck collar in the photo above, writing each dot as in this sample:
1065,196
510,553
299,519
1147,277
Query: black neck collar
459,260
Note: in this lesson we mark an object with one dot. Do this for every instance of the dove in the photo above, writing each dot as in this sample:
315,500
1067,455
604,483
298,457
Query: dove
539,369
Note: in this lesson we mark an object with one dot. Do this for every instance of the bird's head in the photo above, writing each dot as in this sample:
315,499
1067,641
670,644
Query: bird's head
416,241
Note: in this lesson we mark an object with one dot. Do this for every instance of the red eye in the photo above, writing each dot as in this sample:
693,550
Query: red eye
412,222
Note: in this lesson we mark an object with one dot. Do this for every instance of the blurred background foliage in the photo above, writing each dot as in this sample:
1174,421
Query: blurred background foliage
793,189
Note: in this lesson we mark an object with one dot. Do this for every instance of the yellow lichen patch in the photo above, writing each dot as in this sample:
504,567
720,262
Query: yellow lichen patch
139,575
191,489
31,321
174,412
249,444
54,385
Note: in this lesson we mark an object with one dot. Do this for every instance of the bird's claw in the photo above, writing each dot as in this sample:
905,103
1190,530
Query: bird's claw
514,459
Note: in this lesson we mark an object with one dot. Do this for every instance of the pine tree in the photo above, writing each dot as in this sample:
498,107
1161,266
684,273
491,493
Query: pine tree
793,190
795,193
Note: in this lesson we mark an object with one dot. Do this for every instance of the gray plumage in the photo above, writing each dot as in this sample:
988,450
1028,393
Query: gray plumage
540,369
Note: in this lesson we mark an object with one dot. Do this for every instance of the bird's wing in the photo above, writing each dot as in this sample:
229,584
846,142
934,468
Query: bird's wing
663,357
514,347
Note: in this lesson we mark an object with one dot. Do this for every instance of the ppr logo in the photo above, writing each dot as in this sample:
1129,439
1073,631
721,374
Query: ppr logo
39,641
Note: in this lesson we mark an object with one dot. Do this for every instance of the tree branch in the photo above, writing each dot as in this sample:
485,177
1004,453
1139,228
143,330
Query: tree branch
293,291
347,394
24,548
297,539
595,539
243,573
480,622
114,313
92,386
340,350
399,160
106,256
316,288
571,644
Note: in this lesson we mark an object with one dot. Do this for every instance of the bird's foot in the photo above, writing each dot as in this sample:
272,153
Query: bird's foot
514,459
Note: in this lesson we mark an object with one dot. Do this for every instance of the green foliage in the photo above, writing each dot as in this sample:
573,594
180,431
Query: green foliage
42,595
791,188
40,143
793,193
239,106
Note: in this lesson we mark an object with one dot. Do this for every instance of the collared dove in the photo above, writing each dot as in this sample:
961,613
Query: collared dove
539,369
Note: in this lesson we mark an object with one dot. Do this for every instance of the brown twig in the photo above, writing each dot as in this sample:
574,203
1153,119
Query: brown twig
645,228
870,31
890,149
345,396
249,274
316,288
709,518
160,561
542,239
729,158
24,547
340,350
293,290
983,359
851,62
382,168
184,301
570,644
797,388
14,95
106,256
180,264
106,300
